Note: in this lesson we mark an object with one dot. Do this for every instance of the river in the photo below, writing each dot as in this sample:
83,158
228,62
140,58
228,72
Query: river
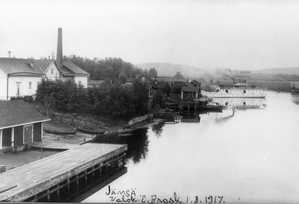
252,156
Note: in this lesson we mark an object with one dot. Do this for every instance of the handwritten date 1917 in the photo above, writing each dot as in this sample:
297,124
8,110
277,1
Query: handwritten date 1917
131,196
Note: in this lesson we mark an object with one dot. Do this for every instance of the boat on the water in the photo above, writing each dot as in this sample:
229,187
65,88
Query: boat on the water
239,90
239,96
236,93
245,107
212,107
225,114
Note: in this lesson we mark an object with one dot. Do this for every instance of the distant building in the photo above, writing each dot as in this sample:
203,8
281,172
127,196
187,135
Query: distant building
190,92
172,81
295,86
21,125
18,77
65,69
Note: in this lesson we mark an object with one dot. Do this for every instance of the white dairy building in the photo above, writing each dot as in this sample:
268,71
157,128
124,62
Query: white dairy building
20,77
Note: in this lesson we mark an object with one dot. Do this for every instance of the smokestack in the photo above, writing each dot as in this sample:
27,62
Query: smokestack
59,55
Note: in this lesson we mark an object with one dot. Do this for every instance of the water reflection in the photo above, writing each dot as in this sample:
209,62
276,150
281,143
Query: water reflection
295,98
251,157
137,142
157,128
190,118
138,145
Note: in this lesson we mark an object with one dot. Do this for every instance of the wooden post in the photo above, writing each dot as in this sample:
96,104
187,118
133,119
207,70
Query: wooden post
58,192
94,170
77,183
85,175
68,185
48,195
100,169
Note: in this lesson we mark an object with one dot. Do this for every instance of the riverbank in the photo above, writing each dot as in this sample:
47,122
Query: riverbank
254,152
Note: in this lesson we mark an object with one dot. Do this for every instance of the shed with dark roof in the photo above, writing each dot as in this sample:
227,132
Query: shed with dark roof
20,125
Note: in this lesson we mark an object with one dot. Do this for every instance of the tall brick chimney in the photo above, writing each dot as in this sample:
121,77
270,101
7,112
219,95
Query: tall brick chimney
59,54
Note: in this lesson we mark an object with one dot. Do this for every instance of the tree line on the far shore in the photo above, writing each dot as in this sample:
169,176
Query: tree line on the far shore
114,98
113,69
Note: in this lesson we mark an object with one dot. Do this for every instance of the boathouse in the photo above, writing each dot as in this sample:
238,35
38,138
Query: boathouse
20,125
190,92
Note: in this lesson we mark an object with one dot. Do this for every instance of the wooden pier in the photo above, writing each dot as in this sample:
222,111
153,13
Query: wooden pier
55,177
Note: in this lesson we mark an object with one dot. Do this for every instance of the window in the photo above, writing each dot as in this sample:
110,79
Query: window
18,89
52,71
30,85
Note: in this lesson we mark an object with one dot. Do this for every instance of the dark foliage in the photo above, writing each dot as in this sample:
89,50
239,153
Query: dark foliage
113,100
114,69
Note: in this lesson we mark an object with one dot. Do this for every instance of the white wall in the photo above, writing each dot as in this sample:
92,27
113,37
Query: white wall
24,81
81,80
3,85
52,72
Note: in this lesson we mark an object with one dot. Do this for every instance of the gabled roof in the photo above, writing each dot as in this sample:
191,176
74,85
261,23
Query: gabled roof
42,64
190,88
17,112
68,68
16,66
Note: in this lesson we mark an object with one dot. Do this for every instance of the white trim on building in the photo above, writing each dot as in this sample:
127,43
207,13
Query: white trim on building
1,139
23,124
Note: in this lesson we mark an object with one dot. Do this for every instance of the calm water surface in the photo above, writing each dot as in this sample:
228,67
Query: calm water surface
253,156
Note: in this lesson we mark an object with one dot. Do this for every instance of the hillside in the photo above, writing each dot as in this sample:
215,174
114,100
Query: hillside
169,69
284,71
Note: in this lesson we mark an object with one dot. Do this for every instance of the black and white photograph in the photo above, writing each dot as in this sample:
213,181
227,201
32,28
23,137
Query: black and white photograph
149,101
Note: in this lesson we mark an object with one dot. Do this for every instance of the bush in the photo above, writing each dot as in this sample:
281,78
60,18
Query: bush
115,100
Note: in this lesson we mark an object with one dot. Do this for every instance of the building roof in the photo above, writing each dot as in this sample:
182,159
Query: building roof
190,88
17,112
17,66
42,64
68,68
169,79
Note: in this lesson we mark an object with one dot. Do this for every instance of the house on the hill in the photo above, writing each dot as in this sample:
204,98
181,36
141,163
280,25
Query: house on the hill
21,125
18,77
61,68
48,68
66,68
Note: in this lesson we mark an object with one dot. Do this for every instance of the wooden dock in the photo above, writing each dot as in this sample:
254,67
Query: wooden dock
63,171
54,146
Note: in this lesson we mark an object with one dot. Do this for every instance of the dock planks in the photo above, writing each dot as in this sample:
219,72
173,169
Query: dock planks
41,175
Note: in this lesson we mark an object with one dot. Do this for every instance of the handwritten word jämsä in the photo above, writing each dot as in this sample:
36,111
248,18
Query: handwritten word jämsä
131,196
121,196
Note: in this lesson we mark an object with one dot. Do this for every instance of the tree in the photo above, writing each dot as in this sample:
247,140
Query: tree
152,73
114,69
179,76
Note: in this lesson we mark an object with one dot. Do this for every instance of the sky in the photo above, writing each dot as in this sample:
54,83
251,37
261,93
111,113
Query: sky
237,34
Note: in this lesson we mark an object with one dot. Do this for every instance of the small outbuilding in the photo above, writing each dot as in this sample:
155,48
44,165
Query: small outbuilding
190,92
21,125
